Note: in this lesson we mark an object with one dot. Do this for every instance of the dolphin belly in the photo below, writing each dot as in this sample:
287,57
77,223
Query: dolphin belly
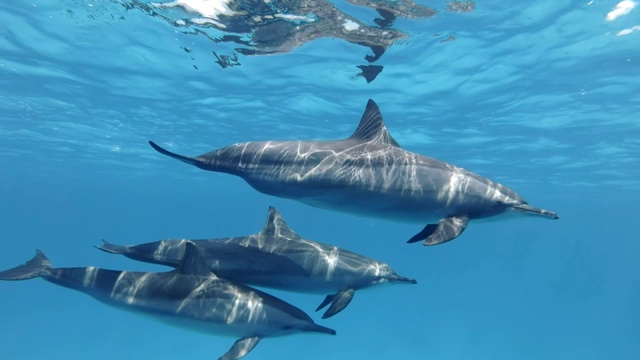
397,204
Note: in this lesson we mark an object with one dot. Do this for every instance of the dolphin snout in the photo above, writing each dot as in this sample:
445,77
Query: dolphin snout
319,328
398,278
528,209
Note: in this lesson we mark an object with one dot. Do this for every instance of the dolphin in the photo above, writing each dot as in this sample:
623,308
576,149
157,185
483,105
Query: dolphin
368,174
190,296
276,257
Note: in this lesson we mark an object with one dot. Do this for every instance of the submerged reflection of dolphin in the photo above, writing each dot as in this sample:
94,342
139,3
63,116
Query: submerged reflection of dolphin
368,174
276,257
281,25
262,27
190,296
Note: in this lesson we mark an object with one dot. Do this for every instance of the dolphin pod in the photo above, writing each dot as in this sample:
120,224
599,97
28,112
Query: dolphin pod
368,174
190,296
276,257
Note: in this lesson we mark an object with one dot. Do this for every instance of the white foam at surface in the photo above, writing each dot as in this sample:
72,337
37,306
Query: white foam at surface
622,8
292,17
350,25
628,31
208,21
207,8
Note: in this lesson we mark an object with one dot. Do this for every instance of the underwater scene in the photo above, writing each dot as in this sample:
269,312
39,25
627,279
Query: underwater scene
315,179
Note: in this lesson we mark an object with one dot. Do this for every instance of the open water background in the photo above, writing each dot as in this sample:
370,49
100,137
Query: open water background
540,96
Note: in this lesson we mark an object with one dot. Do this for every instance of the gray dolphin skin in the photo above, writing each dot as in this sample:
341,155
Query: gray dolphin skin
276,257
190,296
368,174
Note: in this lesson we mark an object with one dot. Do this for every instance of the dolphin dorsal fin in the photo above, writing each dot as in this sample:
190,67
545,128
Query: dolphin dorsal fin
276,226
192,262
372,128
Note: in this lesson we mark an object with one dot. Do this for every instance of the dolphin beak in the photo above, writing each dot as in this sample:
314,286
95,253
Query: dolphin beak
398,278
320,329
528,209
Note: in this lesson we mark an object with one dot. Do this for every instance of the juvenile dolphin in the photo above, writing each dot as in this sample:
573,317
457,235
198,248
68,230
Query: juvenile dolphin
276,257
368,174
190,296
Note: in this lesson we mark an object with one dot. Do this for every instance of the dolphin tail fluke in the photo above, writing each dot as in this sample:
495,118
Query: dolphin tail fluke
338,302
36,267
241,348
182,158
447,229
111,248
528,209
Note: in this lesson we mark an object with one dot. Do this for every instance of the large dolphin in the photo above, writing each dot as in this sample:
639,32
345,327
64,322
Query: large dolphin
368,174
189,296
276,257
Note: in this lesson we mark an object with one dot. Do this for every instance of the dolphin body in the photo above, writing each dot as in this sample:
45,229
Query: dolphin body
276,257
368,174
190,296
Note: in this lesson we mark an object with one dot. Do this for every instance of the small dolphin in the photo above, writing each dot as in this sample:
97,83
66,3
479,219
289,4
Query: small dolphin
190,296
276,257
368,174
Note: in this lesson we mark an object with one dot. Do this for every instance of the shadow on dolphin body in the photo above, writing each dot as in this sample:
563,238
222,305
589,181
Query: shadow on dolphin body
190,296
276,257
368,174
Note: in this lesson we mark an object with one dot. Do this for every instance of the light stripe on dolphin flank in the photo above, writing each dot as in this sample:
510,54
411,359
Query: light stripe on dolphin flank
90,276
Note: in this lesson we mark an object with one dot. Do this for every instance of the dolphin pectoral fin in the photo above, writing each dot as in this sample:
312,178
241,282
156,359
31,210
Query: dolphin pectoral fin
182,158
241,348
448,229
339,302
327,300
111,248
423,234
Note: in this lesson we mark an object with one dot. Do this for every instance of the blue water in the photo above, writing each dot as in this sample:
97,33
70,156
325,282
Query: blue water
542,97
